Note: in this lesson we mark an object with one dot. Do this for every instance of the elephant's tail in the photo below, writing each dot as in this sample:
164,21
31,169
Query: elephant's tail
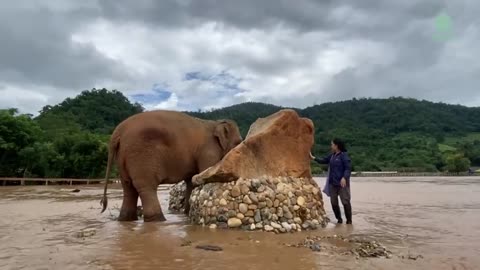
112,151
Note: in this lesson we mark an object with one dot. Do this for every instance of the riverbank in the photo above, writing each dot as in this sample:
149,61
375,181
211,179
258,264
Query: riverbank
408,174
435,217
16,181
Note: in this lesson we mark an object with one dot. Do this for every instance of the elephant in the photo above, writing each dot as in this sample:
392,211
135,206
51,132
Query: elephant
164,147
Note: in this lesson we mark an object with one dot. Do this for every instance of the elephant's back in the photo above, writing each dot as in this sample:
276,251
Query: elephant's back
163,131
164,117
160,123
164,140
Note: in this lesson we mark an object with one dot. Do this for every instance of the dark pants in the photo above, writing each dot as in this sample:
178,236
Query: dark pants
344,194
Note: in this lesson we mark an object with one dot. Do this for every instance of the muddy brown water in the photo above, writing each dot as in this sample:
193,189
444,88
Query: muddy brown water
436,217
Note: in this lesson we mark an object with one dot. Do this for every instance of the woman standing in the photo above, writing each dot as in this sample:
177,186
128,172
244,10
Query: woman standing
338,179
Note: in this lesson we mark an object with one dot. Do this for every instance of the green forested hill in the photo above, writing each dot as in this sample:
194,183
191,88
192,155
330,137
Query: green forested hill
385,134
70,139
97,111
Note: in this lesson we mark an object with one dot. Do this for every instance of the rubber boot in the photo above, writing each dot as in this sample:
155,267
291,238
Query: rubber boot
338,215
348,213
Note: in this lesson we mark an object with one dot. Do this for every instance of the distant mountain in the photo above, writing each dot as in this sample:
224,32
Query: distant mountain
244,114
395,115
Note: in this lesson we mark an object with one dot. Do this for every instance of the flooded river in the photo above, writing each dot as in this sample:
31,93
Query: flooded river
437,217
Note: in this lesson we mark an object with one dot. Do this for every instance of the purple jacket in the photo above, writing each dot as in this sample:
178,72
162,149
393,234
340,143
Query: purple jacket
339,166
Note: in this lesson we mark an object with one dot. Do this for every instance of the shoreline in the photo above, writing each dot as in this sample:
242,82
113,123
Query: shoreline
405,174
31,181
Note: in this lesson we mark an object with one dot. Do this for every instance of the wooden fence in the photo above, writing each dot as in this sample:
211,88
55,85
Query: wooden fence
47,181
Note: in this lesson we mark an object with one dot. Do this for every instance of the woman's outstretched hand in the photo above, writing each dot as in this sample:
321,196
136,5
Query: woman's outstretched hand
343,182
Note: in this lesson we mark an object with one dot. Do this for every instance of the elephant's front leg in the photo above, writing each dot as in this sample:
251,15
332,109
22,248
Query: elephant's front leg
188,192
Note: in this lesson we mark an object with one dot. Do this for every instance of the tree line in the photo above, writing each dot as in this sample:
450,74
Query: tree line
70,139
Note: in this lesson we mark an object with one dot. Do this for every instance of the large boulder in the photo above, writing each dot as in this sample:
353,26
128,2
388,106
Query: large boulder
275,146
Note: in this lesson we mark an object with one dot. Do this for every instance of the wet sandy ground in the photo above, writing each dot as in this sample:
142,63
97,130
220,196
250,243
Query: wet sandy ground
436,217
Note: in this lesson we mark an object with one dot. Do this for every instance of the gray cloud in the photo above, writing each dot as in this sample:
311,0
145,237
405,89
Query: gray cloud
291,53
304,14
370,17
37,47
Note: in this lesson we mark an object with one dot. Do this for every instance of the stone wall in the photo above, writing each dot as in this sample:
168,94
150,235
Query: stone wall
281,204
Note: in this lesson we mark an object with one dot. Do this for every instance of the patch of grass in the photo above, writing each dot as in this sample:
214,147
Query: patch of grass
446,148
473,136
470,137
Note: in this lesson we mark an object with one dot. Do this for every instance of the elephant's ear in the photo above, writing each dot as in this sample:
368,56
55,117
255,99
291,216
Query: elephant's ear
221,133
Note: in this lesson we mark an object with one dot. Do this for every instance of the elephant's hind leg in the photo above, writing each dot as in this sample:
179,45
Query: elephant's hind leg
188,192
151,206
128,212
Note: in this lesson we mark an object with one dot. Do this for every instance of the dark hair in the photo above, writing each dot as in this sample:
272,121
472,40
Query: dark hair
340,144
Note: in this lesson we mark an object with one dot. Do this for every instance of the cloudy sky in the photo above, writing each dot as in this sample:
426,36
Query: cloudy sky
191,54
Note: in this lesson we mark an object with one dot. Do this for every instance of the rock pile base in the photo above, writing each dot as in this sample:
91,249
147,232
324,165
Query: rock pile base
280,205
176,203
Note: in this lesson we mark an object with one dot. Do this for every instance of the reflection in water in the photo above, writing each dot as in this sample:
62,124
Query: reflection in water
436,217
